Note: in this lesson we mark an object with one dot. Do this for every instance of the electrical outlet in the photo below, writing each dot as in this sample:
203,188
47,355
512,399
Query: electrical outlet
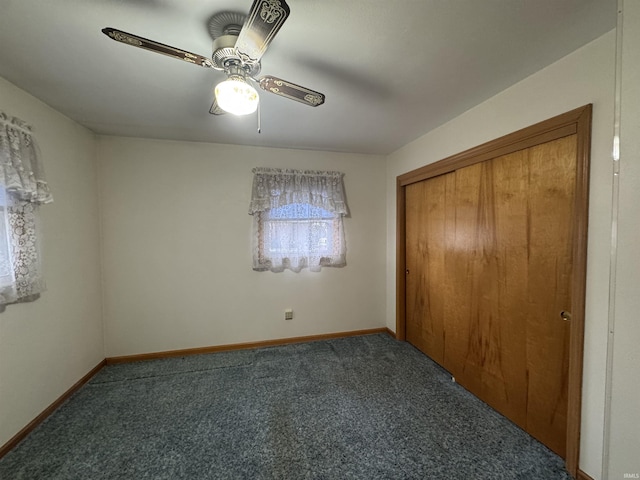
288,314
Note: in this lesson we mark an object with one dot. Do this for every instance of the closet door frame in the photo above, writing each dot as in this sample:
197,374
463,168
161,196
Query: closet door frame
576,122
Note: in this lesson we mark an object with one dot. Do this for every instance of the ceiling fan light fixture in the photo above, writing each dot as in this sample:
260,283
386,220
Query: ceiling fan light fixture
236,96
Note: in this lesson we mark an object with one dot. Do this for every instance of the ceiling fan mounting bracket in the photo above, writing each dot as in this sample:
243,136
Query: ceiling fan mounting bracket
226,23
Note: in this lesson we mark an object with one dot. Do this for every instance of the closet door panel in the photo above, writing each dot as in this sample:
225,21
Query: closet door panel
485,348
426,240
551,206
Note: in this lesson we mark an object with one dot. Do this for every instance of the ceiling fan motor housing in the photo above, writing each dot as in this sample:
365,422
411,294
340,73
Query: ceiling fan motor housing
225,55
225,27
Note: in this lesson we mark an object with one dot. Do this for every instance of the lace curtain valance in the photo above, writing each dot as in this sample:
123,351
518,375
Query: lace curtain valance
21,172
23,188
274,187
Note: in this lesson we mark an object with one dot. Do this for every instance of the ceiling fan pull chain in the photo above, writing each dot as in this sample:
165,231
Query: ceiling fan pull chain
259,127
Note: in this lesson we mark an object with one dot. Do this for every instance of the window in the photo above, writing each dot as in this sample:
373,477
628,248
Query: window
297,220
22,189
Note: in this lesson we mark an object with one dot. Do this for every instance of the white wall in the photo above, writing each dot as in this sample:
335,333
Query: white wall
585,76
625,401
177,248
48,345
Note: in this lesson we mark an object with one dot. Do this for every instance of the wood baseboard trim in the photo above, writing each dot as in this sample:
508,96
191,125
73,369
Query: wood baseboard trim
583,476
18,437
391,332
241,346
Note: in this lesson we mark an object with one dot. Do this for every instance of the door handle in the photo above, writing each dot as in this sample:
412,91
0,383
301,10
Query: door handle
565,315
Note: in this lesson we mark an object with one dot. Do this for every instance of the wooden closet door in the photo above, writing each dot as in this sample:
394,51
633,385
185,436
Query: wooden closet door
430,219
489,260
486,319
551,202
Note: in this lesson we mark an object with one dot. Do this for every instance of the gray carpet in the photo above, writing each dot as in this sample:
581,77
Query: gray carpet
364,407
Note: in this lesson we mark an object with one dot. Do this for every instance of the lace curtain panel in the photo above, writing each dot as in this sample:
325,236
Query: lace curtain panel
23,188
297,220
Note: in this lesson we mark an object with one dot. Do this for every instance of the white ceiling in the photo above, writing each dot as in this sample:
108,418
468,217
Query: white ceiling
391,70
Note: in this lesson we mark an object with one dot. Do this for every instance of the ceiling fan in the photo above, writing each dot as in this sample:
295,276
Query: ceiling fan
239,43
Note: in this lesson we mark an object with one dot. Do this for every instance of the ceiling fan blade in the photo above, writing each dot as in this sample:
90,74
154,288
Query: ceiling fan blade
263,22
215,108
292,91
147,44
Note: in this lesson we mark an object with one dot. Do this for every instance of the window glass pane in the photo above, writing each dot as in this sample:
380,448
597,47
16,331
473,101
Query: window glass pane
6,272
298,211
299,237
298,229
5,262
